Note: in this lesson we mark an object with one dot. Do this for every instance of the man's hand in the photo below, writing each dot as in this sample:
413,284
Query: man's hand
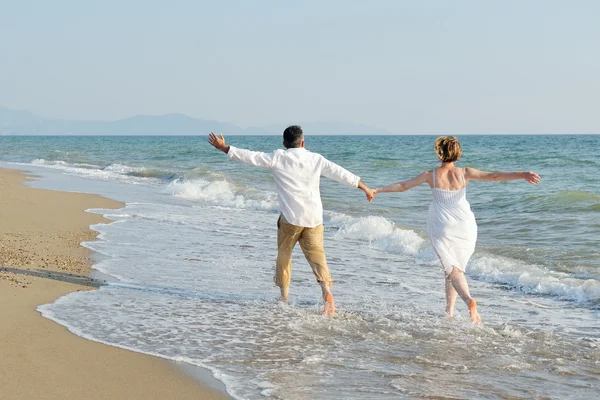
218,142
370,193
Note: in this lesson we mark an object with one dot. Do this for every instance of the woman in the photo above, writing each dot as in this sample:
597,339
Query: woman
450,223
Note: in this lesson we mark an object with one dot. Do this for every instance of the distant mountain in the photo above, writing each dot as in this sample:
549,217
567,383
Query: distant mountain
15,122
25,123
332,128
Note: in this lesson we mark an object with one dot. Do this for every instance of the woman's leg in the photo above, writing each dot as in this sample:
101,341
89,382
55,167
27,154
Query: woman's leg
459,283
450,296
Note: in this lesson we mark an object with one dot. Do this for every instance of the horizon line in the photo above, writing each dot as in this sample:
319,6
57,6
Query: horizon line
315,134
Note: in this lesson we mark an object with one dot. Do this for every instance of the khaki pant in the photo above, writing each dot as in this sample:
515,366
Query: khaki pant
311,242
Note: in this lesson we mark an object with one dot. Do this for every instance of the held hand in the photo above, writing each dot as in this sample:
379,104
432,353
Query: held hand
532,177
218,142
370,193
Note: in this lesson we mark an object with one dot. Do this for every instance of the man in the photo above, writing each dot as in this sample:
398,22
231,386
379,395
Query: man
297,174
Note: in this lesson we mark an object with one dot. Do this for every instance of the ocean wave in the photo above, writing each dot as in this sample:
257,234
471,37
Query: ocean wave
59,163
534,279
380,232
564,197
204,173
113,171
569,196
222,193
384,235
141,172
567,200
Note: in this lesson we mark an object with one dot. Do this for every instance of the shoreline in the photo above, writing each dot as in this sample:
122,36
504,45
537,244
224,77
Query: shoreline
41,259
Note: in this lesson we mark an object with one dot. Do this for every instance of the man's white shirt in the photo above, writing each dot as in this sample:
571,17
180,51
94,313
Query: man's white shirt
297,173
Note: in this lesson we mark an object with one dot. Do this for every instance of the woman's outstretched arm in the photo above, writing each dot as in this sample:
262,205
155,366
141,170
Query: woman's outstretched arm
403,186
476,175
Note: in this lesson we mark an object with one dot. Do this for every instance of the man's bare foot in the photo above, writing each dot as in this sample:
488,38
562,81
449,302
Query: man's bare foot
475,317
329,309
450,314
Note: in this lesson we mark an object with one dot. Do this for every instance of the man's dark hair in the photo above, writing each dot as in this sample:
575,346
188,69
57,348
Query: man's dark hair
293,136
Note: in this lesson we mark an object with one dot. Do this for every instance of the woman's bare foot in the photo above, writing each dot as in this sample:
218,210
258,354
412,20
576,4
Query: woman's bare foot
475,317
329,309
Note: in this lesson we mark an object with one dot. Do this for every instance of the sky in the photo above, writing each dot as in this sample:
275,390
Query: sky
454,67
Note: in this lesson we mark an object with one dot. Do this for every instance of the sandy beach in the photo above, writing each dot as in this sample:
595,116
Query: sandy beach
40,260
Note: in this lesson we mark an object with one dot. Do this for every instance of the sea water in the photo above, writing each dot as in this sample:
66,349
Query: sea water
190,262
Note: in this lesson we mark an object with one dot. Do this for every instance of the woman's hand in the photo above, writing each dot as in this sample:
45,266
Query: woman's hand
532,177
370,193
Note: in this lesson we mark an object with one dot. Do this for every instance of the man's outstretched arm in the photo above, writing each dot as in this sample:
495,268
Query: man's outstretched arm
333,171
246,156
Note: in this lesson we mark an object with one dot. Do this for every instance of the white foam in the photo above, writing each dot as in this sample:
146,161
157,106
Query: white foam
534,279
380,232
223,193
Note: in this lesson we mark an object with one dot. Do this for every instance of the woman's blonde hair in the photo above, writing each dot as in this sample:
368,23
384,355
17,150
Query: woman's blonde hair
447,148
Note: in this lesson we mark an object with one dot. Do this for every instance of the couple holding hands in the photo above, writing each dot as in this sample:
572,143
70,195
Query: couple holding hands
451,224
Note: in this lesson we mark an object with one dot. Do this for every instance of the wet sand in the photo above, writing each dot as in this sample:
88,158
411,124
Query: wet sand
40,260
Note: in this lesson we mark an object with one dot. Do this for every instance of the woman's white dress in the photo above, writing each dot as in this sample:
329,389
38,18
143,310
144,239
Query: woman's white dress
451,227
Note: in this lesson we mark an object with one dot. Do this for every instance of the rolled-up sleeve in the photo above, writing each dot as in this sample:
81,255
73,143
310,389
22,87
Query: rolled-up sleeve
333,171
255,158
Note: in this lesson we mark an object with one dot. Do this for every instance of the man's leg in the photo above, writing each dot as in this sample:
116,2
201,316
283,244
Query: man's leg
287,236
311,242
